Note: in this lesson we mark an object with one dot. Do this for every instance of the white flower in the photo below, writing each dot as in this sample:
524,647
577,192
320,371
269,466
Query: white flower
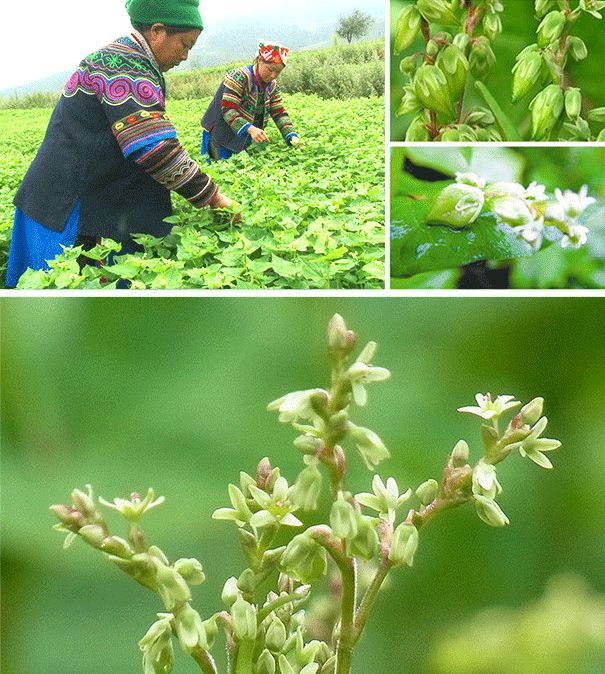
297,405
532,232
536,192
490,409
485,480
533,446
591,6
470,179
574,204
361,373
576,237
385,499
512,209
134,508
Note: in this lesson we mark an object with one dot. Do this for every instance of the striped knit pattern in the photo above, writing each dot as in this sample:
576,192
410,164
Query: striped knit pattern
141,129
241,100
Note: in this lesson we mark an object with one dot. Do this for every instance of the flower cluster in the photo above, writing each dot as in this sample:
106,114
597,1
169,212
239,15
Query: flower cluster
556,110
528,210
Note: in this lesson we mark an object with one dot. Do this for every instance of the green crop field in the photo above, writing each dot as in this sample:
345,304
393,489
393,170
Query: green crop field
312,218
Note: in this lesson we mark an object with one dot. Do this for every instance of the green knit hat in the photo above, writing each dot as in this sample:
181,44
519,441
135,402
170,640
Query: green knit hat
184,13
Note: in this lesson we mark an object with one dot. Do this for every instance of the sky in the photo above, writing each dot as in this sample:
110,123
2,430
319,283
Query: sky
42,38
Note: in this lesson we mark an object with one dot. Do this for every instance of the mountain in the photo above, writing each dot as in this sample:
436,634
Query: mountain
309,24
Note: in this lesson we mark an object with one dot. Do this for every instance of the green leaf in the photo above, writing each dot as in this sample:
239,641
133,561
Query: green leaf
440,280
506,126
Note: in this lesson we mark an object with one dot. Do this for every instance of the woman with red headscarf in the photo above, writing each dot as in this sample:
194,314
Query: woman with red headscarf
237,115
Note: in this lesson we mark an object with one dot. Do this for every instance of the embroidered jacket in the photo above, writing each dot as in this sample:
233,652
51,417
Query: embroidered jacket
111,147
241,101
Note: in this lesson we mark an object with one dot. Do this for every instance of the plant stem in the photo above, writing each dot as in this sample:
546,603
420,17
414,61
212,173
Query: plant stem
243,662
369,599
205,661
346,639
279,602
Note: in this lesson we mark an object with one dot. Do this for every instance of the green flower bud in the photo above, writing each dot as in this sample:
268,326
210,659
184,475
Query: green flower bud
369,445
304,559
601,136
308,488
466,133
284,666
577,48
404,545
83,502
93,534
490,512
593,7
544,6
432,49
409,102
329,666
306,656
481,117
573,103
481,58
340,338
546,109
531,412
191,570
158,553
158,655
408,27
462,40
265,663
172,587
230,592
114,545
417,131
243,615
408,65
460,454
343,519
597,115
210,630
276,635
513,210
247,581
456,206
308,444
427,491
492,25
432,90
190,629
450,136
453,64
365,544
437,11
551,28
526,73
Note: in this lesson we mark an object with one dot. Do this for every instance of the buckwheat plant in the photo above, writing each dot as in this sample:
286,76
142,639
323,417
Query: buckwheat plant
528,210
437,75
556,111
359,541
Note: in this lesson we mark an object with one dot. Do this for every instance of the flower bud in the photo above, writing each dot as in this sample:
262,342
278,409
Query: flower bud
490,512
84,502
462,40
340,338
158,655
449,136
513,210
432,90
453,64
365,544
601,136
329,666
369,445
408,65
526,73
409,102
492,25
265,663
427,491
546,110
114,545
551,28
172,587
243,615
408,27
308,444
544,6
210,630
456,206
531,412
432,49
417,131
191,570
343,519
481,58
481,117
577,48
304,559
190,629
284,666
437,11
404,545
230,592
460,454
276,635
247,581
573,103
93,534
308,488
597,115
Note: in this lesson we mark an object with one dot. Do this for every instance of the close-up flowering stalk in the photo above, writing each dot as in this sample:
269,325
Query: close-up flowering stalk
290,540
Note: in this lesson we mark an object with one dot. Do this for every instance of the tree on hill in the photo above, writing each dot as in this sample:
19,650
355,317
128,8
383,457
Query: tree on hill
354,25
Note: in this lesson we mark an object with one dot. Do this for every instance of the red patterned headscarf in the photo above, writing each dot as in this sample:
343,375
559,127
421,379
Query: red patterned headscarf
273,52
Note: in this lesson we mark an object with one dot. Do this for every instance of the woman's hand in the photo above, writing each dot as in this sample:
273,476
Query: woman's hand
221,201
257,135
295,141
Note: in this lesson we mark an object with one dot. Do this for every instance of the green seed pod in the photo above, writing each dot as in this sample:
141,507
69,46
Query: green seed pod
304,559
308,488
408,27
462,41
597,115
466,133
343,519
492,25
243,616
365,544
432,49
551,28
409,102
93,534
276,635
481,58
408,65
526,73
417,131
404,545
460,454
456,206
546,110
544,6
437,11
265,663
191,570
454,65
481,117
573,103
532,412
427,491
530,49
190,629
450,136
432,90
577,48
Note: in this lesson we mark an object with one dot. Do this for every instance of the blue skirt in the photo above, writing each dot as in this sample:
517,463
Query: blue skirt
33,245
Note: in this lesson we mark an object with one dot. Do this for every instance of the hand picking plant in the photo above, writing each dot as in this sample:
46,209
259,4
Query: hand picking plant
544,63
527,210
437,76
367,534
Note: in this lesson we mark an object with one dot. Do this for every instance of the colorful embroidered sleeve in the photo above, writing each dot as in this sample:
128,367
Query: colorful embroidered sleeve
231,105
280,116
149,139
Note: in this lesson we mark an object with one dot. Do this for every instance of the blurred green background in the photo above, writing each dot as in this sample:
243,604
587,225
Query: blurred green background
171,393
519,30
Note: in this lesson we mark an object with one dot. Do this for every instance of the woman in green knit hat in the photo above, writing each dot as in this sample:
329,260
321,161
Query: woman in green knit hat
111,156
